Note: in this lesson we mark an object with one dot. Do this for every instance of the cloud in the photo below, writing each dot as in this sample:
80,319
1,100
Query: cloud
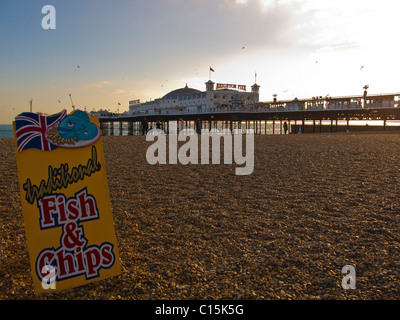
206,29
118,91
100,84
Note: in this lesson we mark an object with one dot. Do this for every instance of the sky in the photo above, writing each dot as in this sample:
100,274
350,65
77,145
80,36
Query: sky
104,53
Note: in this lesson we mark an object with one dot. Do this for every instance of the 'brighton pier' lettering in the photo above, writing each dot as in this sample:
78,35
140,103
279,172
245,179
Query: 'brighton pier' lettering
189,151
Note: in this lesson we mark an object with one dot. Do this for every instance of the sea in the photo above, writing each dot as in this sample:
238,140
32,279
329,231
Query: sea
6,131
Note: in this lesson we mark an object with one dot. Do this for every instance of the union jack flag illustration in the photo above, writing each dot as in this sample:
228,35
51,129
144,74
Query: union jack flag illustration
31,130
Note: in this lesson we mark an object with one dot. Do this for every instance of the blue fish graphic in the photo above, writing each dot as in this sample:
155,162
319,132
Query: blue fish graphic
77,125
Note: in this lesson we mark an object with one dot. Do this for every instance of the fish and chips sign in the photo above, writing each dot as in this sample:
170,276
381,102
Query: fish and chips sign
65,200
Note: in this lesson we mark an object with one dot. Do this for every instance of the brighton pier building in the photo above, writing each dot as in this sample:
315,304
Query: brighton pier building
189,100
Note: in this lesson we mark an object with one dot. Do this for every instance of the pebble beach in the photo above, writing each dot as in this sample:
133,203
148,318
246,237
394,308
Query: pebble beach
313,204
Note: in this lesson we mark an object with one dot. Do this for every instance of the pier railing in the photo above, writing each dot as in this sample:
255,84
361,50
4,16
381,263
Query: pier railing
256,109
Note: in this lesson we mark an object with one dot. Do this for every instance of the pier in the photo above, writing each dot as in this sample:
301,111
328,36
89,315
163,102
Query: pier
314,115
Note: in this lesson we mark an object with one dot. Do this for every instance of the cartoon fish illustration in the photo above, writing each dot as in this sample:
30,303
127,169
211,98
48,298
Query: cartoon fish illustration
77,125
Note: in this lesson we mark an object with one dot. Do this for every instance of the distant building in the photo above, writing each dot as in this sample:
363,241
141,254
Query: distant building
101,113
192,100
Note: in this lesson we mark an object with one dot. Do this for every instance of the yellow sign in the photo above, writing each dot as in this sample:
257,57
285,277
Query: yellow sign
65,200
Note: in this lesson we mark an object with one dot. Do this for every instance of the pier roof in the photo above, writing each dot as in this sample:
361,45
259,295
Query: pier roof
181,92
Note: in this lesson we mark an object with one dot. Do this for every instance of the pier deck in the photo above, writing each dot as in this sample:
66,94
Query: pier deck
232,119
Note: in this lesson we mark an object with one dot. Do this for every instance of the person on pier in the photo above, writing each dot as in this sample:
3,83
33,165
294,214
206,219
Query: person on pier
145,126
